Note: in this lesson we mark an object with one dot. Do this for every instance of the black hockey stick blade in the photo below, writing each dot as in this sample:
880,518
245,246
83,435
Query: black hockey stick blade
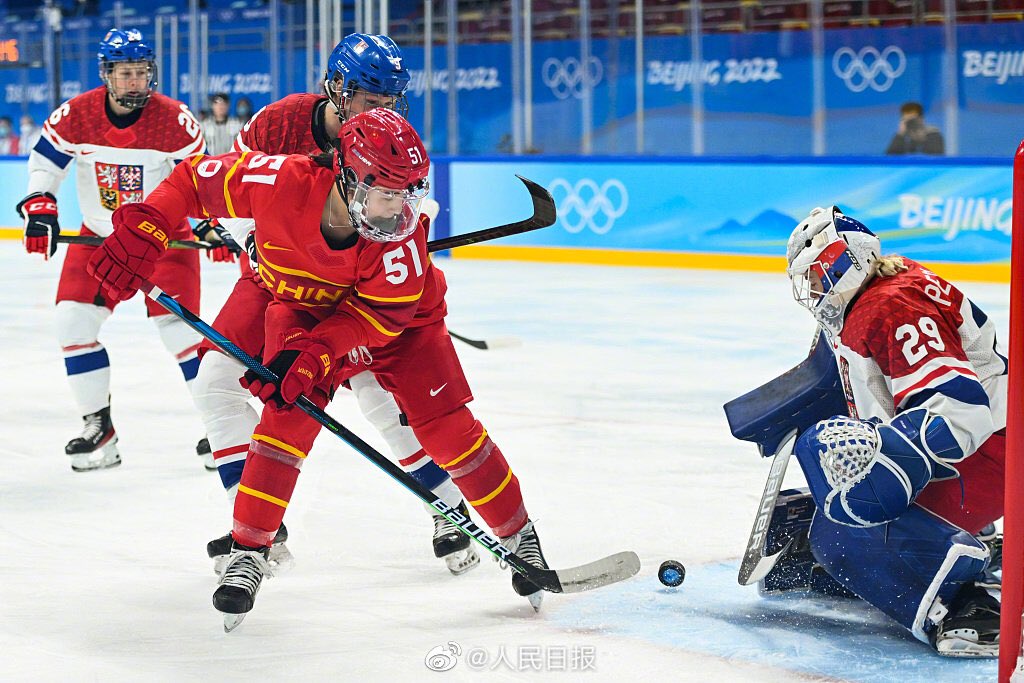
544,214
96,240
483,345
755,566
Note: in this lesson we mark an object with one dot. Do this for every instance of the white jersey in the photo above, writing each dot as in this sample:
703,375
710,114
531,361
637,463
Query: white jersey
113,166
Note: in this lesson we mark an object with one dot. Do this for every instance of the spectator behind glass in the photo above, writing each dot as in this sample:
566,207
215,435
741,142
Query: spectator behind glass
220,129
914,136
8,140
243,109
29,134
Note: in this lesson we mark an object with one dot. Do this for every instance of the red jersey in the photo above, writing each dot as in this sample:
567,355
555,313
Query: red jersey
914,340
364,295
284,127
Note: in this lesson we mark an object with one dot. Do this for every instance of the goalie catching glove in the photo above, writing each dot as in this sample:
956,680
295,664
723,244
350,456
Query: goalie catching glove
128,257
301,364
39,210
864,473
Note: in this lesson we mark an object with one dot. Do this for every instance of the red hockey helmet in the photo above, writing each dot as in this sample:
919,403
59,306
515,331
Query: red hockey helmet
385,169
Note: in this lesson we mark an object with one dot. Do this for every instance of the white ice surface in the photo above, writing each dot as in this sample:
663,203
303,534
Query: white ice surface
610,414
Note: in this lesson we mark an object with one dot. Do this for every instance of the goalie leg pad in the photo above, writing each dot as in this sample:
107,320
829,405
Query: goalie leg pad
796,570
910,569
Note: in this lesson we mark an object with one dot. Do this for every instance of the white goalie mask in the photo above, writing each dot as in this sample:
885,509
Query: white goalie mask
831,257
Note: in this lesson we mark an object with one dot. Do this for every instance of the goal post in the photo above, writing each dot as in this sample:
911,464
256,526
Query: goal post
1013,521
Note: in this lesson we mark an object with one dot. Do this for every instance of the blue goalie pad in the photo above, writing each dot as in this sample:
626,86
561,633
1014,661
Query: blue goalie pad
910,569
797,399
796,570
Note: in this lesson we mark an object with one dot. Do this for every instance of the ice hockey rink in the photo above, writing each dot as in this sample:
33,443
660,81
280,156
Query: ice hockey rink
610,412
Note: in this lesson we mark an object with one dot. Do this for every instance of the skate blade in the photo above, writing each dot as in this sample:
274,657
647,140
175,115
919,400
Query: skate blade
535,600
87,465
461,561
957,647
233,621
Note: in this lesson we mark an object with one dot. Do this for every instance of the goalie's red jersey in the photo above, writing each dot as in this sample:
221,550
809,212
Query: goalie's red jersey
364,295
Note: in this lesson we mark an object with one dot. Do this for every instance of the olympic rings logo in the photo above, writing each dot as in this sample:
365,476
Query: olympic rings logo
565,76
869,68
589,205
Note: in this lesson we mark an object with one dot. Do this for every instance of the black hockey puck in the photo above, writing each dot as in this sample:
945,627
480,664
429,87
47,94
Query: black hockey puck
671,573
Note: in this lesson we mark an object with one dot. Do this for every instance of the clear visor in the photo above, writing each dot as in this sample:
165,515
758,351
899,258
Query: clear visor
384,215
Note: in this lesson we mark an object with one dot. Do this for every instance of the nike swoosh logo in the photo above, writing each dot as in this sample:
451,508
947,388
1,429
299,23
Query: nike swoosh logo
85,153
270,247
435,392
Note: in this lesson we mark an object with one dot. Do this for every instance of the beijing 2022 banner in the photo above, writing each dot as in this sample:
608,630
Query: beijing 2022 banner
952,213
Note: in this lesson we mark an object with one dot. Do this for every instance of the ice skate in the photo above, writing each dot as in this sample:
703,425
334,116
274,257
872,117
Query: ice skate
204,451
452,545
971,629
243,576
279,557
96,448
526,545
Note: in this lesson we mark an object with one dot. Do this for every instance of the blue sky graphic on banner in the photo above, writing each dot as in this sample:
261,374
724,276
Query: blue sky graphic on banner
935,213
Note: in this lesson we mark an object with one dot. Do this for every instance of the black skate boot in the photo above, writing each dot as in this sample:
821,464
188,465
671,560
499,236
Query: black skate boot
219,550
971,629
204,451
452,545
243,576
526,545
96,448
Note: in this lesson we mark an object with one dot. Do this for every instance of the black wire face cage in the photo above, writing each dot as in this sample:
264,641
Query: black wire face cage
342,98
129,101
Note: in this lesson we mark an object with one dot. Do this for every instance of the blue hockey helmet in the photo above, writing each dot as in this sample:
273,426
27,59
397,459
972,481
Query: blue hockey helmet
369,64
126,47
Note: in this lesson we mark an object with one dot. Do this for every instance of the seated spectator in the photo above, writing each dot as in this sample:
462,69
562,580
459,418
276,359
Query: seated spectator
8,140
243,109
29,134
914,135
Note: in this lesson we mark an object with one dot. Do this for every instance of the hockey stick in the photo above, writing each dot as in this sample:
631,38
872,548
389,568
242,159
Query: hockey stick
544,214
96,240
482,344
756,565
603,572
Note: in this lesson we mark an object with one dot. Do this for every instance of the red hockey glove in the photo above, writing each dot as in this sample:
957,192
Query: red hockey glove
210,230
39,210
128,256
300,365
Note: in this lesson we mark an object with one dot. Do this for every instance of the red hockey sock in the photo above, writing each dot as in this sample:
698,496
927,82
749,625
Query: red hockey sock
459,444
271,470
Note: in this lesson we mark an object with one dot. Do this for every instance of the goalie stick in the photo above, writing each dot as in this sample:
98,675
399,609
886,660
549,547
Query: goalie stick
755,564
773,416
602,572
544,215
